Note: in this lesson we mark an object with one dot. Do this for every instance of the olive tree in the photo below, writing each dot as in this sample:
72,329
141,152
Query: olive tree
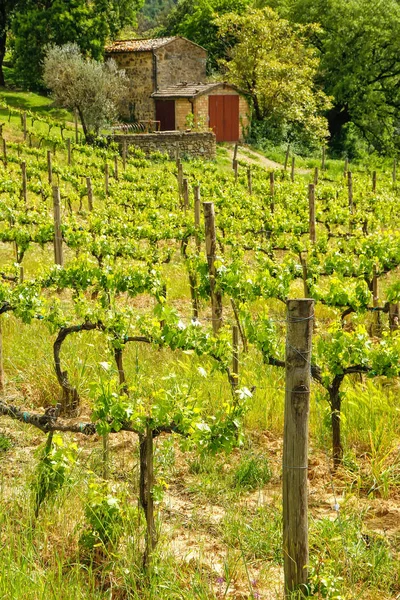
94,89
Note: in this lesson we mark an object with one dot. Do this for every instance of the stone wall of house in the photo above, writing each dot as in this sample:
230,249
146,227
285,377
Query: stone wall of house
180,61
201,108
197,144
183,107
139,68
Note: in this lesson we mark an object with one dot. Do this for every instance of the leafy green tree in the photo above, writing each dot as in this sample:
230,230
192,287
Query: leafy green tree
92,88
38,23
359,45
195,20
271,60
7,10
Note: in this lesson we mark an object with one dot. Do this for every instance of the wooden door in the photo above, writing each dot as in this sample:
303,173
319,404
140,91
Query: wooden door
165,113
223,113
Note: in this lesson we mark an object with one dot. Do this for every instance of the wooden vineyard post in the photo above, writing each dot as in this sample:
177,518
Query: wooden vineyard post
24,187
292,169
235,169
124,155
235,151
346,167
49,167
69,151
374,181
5,153
287,157
394,172
323,158
185,190
350,191
116,176
300,314
58,252
249,181
197,217
180,177
394,316
235,355
76,127
311,208
146,491
272,188
106,179
376,326
211,246
89,193
316,176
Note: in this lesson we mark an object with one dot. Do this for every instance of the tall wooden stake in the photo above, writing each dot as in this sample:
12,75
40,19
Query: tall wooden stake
346,167
316,176
197,217
249,181
272,188
287,157
69,151
311,208
58,252
235,151
394,172
211,247
49,167
292,169
89,192
374,181
295,443
235,169
180,177
116,176
350,191
323,158
24,186
146,491
185,190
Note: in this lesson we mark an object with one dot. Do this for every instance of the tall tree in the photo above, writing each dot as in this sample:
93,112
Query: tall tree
195,20
94,89
273,62
88,23
359,45
7,10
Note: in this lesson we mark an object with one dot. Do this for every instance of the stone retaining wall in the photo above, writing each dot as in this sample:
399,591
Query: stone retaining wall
197,144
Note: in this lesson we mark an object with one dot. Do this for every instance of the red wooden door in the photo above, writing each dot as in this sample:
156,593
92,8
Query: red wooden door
165,113
223,113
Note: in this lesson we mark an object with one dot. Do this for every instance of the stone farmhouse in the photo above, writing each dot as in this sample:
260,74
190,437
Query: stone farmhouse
169,83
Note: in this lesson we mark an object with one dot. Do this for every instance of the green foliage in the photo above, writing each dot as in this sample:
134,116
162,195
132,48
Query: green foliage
95,90
195,20
52,471
253,471
35,25
271,61
104,517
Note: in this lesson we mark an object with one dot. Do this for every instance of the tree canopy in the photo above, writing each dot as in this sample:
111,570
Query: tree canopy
89,24
271,60
92,88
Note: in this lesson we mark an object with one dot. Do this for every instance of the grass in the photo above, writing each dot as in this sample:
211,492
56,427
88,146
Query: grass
220,520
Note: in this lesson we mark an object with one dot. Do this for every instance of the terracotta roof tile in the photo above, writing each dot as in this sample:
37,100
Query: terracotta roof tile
186,90
138,45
